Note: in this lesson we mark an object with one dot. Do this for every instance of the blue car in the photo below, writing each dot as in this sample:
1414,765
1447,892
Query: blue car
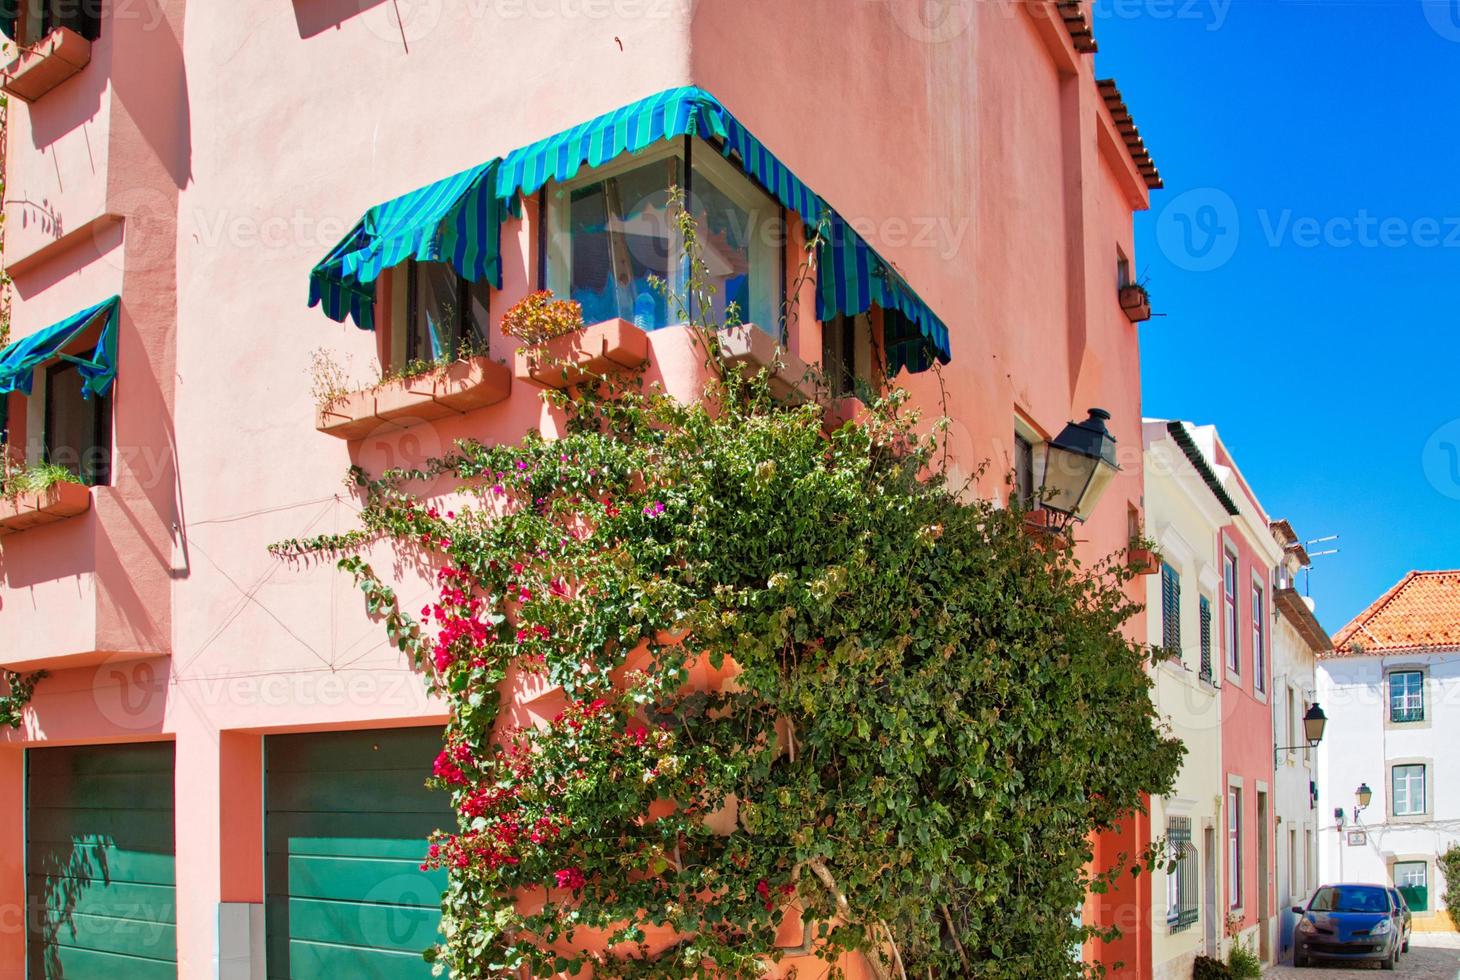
1350,923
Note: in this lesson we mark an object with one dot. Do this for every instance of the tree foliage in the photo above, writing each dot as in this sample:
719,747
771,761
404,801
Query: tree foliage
804,677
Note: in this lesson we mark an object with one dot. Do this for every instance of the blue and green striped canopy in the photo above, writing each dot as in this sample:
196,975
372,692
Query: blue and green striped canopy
19,360
854,278
457,220
686,111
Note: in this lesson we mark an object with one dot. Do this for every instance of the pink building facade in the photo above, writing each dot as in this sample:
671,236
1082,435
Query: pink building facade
196,160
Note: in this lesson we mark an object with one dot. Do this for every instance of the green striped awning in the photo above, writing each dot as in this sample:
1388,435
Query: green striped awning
459,220
456,220
19,360
853,278
685,111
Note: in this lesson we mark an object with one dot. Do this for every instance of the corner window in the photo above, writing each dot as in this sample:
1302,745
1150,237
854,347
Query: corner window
612,237
77,431
846,355
1406,696
1408,790
1182,878
37,18
446,316
1229,595
1234,846
1259,637
1170,610
1412,879
1122,268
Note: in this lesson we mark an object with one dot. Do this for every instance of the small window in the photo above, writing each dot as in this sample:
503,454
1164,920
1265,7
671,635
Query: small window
1023,470
446,316
1412,879
77,431
1229,594
1122,268
1408,794
1406,696
1182,878
37,18
1170,610
1259,638
846,355
1234,846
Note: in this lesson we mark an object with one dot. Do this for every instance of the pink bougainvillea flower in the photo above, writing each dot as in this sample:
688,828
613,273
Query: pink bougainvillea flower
570,878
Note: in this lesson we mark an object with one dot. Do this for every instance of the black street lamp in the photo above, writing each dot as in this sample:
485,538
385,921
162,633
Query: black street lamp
1079,464
1314,724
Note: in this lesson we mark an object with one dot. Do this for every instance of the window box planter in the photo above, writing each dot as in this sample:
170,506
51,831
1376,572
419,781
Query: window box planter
1143,561
460,387
749,348
56,503
840,411
46,64
1136,302
562,362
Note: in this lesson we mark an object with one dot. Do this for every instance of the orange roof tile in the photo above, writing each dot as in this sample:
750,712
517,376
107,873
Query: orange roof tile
1421,612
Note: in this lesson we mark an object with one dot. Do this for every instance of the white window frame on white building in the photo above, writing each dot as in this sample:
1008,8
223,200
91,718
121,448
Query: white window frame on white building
1412,782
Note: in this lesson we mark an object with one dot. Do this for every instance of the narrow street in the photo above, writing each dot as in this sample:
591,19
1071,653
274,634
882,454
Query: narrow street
1430,957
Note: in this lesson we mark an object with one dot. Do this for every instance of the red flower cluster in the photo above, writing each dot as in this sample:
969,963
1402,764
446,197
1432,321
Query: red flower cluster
570,878
448,765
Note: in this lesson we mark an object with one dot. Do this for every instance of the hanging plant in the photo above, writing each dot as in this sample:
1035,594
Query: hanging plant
15,695
802,677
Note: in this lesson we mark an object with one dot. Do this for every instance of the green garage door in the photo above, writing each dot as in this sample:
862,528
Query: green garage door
348,815
99,862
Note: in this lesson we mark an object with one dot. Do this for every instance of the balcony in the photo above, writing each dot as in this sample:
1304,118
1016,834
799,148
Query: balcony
461,387
35,509
46,64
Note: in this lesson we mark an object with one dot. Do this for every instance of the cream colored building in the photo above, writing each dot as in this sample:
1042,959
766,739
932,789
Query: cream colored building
1185,510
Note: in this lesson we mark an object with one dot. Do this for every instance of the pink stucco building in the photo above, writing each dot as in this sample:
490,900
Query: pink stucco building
227,734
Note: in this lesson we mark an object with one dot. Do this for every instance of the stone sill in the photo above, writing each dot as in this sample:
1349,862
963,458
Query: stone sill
46,64
562,362
461,387
56,503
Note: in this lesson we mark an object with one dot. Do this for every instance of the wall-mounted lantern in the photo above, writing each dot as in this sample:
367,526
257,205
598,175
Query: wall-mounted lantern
1079,464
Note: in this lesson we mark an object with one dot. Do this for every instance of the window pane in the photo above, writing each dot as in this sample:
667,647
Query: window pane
724,229
78,430
1406,696
1408,783
620,235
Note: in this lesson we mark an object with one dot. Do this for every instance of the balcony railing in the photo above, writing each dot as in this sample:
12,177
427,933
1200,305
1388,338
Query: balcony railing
1406,713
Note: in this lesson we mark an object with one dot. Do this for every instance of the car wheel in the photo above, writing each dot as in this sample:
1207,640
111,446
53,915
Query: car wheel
1405,947
1392,960
1300,961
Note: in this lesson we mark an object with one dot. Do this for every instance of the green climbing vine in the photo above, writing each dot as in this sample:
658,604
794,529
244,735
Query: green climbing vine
802,677
15,694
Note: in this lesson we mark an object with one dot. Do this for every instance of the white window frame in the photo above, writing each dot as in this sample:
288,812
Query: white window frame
1234,848
1259,635
1413,698
1231,615
1409,783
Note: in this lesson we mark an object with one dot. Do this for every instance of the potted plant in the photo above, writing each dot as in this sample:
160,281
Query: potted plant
1142,557
559,351
1135,300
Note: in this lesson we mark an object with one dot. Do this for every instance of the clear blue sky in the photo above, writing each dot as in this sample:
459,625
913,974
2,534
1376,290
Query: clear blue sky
1306,255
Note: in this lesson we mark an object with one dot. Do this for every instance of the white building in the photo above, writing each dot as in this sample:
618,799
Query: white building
1297,641
1391,689
1186,508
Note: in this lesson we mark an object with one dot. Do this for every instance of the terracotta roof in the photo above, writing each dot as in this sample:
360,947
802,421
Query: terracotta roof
1078,24
1129,133
1422,612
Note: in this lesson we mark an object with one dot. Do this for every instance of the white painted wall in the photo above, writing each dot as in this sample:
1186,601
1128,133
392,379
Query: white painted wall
1294,687
1363,745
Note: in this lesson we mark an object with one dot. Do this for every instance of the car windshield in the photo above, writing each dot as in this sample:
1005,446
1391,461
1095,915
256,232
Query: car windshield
1350,898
